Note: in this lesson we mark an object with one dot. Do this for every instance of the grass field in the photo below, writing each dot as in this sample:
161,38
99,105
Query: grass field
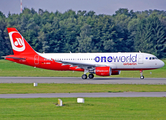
8,68
17,88
92,109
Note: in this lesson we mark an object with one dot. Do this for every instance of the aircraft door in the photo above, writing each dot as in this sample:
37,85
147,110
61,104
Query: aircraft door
36,59
140,59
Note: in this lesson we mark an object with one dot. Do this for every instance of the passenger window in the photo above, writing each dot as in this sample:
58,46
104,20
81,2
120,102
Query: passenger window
150,58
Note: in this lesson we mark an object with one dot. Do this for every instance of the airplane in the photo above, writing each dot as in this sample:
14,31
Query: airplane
101,64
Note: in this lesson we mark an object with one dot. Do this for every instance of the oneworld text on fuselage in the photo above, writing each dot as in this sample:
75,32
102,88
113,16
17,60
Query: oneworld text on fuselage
123,59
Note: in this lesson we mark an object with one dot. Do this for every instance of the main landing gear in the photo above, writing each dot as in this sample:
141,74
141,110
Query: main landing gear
141,73
84,76
91,76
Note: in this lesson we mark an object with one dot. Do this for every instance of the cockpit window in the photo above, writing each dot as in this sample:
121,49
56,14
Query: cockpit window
152,58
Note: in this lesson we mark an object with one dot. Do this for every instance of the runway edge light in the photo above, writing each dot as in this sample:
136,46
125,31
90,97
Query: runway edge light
60,102
35,84
80,100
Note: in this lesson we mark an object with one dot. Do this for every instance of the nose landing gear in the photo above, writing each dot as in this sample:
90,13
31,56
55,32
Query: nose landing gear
141,73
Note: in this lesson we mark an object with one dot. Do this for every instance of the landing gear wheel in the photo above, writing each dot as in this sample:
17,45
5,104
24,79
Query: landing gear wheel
84,76
91,76
142,77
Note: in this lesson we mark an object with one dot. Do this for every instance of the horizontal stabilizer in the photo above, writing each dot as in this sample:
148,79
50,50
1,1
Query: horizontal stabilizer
16,58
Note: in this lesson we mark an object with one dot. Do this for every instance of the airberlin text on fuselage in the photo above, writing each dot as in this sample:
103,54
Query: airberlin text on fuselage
123,59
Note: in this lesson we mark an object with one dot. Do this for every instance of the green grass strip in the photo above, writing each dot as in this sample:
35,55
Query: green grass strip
21,88
92,109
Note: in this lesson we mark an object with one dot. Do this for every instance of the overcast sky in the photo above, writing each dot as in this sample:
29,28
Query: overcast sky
99,6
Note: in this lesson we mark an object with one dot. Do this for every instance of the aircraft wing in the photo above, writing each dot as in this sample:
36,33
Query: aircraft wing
80,65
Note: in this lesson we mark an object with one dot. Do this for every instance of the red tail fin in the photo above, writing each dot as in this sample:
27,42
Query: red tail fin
19,44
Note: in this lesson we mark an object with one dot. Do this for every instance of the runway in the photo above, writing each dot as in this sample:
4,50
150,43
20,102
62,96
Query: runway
78,80
62,95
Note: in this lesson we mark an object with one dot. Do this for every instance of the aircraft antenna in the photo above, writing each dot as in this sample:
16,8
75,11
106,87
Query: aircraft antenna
21,5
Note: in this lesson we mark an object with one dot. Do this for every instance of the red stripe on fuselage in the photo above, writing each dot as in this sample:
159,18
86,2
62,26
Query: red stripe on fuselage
43,63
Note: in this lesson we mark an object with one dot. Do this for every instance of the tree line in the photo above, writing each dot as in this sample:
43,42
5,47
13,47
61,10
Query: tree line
82,31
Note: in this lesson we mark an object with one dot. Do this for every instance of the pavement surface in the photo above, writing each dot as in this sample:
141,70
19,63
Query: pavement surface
62,95
78,80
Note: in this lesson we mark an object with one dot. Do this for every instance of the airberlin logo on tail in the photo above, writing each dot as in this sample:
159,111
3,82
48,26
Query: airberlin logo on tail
17,41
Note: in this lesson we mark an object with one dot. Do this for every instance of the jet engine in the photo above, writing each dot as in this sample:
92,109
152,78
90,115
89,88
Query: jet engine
104,71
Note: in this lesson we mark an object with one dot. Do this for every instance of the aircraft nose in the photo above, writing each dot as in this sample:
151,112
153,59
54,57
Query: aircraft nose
161,63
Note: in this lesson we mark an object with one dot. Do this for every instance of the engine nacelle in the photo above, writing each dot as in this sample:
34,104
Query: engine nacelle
103,71
115,72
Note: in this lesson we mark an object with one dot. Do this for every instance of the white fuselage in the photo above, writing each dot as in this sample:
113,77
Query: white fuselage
121,61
